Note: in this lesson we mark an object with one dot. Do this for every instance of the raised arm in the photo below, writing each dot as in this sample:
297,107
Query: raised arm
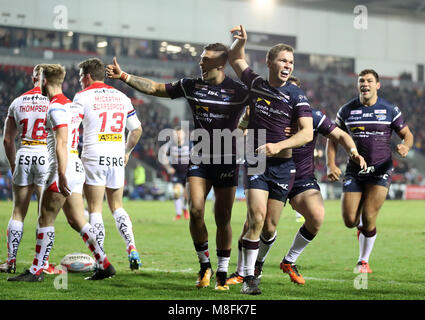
237,50
144,85
406,135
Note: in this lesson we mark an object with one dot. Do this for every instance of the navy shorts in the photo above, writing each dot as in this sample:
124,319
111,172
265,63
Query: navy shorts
220,175
355,179
301,185
277,178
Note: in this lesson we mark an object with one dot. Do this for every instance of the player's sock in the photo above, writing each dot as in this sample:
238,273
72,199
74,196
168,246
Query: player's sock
43,246
202,252
223,258
89,238
366,242
240,268
178,205
96,220
249,252
15,230
301,240
125,227
265,246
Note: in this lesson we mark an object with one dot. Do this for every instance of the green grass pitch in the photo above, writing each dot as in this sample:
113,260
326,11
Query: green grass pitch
170,264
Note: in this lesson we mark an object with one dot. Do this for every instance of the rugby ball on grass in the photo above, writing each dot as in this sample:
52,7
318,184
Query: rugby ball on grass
78,262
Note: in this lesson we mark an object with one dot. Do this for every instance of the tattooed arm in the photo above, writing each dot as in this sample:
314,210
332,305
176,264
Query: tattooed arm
146,86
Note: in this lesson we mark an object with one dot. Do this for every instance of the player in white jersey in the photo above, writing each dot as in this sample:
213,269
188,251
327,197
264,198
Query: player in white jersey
65,179
107,113
28,162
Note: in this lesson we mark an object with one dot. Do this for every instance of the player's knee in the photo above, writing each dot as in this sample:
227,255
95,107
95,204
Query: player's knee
350,222
196,212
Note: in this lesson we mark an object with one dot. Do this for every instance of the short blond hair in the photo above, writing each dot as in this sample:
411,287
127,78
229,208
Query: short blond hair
54,73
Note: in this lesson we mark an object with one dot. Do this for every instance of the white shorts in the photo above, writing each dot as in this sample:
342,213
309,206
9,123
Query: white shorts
105,171
31,167
74,174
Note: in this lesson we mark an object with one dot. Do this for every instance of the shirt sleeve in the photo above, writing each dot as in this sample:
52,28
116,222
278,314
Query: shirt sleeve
133,121
301,104
248,77
325,126
58,117
175,89
397,122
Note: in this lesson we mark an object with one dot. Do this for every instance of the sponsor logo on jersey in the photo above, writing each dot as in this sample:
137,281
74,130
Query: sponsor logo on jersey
381,117
110,137
380,111
266,101
201,107
357,128
356,112
33,143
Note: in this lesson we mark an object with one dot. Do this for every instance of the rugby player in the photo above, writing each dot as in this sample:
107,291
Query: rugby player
174,156
217,102
107,113
65,179
274,105
26,122
305,197
370,120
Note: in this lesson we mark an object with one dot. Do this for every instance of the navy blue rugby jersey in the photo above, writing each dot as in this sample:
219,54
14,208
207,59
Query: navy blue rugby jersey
371,127
272,108
304,156
213,106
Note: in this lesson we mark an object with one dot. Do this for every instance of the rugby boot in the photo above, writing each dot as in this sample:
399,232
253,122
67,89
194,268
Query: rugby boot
204,277
292,270
8,267
363,267
221,283
27,276
234,278
250,286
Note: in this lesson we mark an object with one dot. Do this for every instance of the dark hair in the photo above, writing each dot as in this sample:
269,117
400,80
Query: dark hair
274,51
369,71
94,67
295,79
218,47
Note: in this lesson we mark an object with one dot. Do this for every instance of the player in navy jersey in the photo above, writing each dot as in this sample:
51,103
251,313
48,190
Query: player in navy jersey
305,197
174,156
370,120
217,102
274,104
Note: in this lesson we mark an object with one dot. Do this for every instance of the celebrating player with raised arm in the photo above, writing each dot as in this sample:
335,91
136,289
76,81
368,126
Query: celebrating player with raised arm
107,113
25,120
274,105
65,178
370,120
216,102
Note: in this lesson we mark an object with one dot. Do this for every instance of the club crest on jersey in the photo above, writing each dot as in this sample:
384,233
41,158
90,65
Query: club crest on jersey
110,137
